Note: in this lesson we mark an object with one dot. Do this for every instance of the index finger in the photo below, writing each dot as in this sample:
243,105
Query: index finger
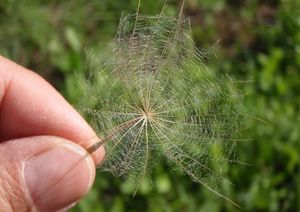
30,106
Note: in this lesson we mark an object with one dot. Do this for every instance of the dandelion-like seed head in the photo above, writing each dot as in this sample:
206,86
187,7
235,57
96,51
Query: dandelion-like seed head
153,96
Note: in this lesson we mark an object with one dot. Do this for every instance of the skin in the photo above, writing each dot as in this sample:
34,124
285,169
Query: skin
42,144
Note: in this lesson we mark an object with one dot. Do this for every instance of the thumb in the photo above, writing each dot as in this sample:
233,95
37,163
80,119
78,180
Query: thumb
43,173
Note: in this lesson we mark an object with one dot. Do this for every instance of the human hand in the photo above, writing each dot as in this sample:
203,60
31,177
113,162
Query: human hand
42,141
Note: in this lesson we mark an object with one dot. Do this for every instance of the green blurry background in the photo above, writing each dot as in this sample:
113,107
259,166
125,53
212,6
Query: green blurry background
256,41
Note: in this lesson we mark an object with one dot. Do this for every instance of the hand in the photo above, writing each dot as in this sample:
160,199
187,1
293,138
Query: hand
42,141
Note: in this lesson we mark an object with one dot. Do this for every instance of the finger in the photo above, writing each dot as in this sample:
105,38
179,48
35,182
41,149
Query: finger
43,173
30,106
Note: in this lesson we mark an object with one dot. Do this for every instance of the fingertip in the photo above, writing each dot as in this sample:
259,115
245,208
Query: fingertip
32,102
58,177
29,100
45,173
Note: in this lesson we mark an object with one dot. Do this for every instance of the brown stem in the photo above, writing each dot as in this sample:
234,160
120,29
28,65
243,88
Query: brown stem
91,149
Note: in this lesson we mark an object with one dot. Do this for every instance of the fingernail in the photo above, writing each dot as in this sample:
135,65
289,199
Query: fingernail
58,177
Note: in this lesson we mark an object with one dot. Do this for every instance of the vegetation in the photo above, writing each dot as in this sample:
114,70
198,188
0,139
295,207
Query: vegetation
255,42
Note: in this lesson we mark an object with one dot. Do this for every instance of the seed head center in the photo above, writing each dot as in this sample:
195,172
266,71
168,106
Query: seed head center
148,115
